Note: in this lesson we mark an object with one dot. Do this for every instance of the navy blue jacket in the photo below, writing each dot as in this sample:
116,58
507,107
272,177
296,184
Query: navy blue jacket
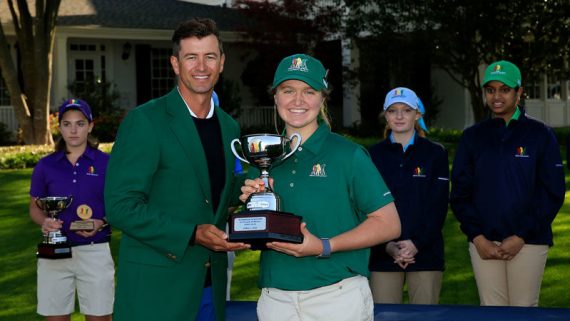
419,182
508,180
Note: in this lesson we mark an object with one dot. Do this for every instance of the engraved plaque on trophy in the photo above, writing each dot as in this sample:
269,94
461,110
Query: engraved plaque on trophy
54,245
263,221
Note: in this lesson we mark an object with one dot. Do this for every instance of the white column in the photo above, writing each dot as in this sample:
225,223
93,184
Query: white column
350,104
60,75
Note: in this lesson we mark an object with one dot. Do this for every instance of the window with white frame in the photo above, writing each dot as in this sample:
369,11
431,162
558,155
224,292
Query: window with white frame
553,87
162,76
532,87
88,64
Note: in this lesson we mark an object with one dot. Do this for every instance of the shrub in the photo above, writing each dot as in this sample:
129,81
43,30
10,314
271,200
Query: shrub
107,124
27,156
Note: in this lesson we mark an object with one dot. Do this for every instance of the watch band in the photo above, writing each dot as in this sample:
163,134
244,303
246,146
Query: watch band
326,249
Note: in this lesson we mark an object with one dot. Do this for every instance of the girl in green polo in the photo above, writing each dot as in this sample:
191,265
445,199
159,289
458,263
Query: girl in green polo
346,208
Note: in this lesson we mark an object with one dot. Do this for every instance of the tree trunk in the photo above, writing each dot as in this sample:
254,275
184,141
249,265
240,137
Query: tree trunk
30,96
477,104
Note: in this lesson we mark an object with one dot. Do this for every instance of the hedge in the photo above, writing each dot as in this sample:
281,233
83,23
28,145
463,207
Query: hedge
27,156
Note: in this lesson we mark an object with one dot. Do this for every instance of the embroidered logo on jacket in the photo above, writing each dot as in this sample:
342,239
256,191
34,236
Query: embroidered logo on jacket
319,170
521,152
91,171
419,172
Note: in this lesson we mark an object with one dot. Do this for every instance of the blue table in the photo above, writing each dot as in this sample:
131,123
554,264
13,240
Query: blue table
245,311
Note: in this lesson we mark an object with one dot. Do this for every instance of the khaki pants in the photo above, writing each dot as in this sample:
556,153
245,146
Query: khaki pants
423,286
510,283
347,300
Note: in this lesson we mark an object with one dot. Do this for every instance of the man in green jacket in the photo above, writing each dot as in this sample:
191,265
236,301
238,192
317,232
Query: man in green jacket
169,186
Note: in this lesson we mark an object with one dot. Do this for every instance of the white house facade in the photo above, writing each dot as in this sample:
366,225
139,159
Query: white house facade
127,43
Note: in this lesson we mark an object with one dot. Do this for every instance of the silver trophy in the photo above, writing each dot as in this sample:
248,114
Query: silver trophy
54,245
263,221
262,151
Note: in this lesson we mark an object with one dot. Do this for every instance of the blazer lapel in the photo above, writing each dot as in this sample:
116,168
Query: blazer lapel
185,131
228,134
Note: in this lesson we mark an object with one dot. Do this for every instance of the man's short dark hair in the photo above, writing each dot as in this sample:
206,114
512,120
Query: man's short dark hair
197,27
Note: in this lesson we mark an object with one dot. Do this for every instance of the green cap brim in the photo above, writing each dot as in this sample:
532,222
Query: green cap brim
311,82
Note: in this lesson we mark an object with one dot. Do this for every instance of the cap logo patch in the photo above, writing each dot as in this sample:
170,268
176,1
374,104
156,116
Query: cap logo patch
419,172
73,102
521,152
497,70
319,170
298,64
399,93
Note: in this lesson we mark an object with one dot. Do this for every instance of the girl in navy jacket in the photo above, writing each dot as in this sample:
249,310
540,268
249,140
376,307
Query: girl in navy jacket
508,185
416,171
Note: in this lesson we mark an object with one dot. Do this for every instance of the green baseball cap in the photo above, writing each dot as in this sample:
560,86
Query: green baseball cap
505,72
301,67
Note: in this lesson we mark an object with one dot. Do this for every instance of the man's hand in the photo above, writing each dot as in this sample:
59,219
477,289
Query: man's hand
210,236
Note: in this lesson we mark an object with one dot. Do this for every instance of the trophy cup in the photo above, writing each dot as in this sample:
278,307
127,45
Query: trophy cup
54,245
263,220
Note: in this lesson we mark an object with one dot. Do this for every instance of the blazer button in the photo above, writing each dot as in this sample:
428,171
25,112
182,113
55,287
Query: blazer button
171,256
207,265
206,200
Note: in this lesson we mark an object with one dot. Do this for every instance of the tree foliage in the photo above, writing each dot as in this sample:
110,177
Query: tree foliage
281,28
30,92
465,34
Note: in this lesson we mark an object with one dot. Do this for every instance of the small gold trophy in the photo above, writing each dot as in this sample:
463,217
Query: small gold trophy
86,223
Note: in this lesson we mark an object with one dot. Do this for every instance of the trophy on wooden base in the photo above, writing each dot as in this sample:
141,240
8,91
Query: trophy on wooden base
54,245
263,221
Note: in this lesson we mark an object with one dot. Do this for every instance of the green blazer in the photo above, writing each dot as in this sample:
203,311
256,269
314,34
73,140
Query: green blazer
157,190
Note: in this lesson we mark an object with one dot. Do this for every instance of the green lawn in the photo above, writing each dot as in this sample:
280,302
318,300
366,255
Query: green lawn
19,237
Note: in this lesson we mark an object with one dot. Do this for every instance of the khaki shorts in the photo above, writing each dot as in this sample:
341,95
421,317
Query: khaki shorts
90,270
347,300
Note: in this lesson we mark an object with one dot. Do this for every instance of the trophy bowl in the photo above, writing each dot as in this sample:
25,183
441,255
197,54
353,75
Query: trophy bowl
263,151
54,244
263,221
53,205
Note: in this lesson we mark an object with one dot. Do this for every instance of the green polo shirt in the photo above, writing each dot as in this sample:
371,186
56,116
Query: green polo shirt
515,116
332,183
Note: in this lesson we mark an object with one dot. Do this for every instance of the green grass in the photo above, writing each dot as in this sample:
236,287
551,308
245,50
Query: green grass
19,237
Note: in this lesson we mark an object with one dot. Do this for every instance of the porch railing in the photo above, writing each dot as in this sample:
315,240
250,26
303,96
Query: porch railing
8,117
256,116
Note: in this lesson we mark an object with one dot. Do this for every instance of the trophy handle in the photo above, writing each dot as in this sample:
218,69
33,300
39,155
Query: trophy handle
70,200
294,149
235,152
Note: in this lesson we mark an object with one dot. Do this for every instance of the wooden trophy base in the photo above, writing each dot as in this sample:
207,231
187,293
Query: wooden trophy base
259,227
54,251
